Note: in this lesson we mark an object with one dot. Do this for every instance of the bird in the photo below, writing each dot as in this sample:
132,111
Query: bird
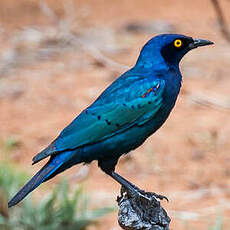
127,112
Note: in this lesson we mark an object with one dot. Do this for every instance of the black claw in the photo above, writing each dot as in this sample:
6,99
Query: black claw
161,197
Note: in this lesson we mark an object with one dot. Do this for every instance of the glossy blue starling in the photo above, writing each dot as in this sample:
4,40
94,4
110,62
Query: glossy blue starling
130,110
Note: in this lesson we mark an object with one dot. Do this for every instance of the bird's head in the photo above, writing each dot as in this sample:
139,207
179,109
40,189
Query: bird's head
169,48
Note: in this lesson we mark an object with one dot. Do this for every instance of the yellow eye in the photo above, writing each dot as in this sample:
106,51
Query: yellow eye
177,43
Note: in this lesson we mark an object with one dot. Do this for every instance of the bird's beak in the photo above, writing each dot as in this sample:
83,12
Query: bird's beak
199,42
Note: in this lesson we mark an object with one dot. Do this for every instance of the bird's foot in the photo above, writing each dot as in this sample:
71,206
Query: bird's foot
142,194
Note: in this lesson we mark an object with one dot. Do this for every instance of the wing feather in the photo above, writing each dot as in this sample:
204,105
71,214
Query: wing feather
103,120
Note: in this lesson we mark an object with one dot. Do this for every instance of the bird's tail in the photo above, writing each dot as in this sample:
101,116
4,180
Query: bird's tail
52,167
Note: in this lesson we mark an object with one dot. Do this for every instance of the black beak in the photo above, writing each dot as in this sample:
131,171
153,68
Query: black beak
199,42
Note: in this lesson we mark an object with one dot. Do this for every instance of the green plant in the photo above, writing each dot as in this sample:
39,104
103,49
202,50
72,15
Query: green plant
219,224
59,210
11,143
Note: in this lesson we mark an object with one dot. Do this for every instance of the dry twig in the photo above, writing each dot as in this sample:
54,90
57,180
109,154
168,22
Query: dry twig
65,25
221,20
213,102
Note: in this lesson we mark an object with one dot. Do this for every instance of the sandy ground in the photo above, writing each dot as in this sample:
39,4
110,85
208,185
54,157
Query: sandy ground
187,159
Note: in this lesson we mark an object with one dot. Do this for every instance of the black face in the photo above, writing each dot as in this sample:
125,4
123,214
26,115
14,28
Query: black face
179,46
176,49
181,43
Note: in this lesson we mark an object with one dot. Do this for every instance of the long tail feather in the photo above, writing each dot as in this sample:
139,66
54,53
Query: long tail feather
57,164
35,181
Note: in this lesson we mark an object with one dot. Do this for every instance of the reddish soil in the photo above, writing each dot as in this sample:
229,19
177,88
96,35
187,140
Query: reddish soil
187,159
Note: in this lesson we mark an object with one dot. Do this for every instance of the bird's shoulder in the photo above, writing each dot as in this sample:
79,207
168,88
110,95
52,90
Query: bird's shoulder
130,86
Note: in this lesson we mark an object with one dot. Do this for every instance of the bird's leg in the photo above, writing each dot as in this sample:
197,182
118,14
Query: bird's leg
132,188
108,166
125,183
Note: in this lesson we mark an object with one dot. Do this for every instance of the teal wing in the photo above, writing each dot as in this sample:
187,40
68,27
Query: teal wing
106,118
99,122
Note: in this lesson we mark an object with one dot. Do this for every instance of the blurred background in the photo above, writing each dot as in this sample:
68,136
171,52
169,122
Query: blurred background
56,56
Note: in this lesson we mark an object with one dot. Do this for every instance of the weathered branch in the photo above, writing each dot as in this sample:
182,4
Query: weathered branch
221,20
137,213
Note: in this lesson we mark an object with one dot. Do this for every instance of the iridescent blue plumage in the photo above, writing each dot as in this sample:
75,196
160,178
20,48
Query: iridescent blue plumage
123,116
